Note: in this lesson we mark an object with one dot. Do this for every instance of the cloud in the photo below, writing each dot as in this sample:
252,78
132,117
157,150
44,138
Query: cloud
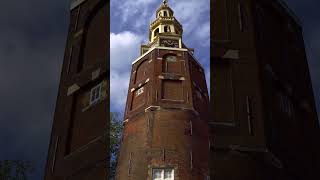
136,15
119,89
129,10
31,52
191,13
124,49
202,34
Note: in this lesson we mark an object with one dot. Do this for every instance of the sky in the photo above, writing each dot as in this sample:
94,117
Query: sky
32,42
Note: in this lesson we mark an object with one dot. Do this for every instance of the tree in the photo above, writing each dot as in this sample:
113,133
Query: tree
15,169
115,140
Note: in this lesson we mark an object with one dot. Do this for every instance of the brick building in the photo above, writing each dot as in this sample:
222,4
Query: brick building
165,133
264,121
78,149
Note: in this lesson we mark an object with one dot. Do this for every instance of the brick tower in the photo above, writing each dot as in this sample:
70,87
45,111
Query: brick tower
165,129
76,150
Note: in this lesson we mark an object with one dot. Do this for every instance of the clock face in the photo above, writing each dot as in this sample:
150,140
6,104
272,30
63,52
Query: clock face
169,43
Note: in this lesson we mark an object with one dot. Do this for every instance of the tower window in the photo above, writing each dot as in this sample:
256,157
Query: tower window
163,174
165,13
95,94
139,91
240,16
286,105
166,29
156,32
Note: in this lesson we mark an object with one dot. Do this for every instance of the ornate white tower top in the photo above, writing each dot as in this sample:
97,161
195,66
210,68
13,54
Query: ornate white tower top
165,30
165,23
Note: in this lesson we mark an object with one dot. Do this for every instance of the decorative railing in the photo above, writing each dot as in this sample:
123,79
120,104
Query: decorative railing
165,18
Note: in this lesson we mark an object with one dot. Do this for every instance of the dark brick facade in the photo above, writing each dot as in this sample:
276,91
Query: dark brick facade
263,120
79,144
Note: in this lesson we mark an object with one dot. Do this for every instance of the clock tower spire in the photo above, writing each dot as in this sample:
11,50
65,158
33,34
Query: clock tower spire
165,26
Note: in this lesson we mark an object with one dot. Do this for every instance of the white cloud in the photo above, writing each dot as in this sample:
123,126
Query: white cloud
119,88
129,10
124,49
191,13
203,34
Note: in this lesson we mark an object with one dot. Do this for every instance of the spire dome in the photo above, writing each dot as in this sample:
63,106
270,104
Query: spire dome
165,7
165,23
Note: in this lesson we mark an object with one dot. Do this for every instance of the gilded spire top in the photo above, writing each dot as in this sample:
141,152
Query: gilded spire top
165,2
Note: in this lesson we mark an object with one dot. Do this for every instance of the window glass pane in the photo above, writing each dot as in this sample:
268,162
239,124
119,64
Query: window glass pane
95,94
92,95
168,174
156,174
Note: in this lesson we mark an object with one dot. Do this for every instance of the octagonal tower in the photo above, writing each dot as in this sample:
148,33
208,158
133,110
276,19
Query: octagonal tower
165,128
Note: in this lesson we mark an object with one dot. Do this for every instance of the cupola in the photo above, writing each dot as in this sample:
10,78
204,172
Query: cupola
165,23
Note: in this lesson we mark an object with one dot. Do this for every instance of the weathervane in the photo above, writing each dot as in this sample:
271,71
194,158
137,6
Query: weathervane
165,2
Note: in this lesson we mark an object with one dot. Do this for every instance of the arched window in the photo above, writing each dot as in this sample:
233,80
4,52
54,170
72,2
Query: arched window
170,64
165,13
141,72
89,52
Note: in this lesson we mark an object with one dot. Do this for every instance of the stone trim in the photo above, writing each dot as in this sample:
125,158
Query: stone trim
75,3
167,48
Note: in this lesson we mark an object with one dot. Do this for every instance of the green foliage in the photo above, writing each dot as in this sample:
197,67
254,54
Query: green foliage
15,169
115,140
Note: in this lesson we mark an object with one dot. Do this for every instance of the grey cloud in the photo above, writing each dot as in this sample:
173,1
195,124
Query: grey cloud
32,41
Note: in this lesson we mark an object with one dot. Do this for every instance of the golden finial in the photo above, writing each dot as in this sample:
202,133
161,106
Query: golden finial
165,2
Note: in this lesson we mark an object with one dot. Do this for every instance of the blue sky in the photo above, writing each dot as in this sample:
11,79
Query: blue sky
129,29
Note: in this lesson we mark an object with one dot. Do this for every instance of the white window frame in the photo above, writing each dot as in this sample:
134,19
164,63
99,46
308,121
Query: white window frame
162,173
96,94
286,104
140,91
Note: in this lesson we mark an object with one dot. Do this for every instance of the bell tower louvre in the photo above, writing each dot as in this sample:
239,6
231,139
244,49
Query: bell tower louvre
165,133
